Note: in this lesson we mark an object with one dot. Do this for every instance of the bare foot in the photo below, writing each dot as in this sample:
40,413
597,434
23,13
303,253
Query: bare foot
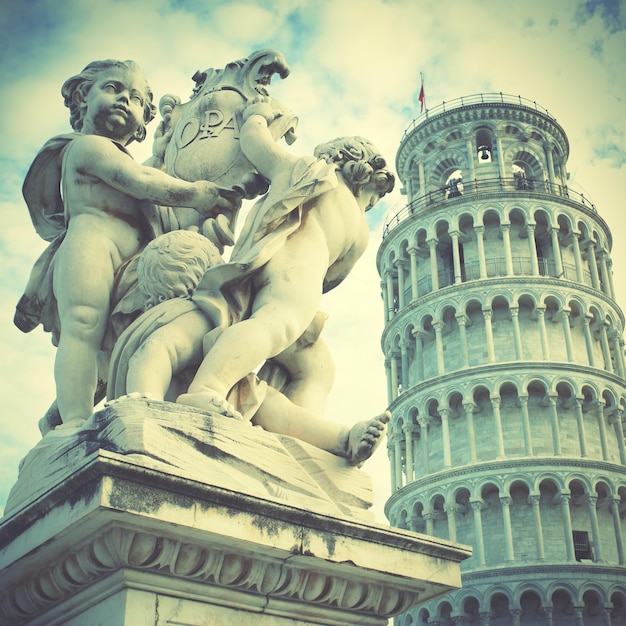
210,400
364,437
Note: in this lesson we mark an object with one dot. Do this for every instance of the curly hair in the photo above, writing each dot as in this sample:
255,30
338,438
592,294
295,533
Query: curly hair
76,88
172,265
360,163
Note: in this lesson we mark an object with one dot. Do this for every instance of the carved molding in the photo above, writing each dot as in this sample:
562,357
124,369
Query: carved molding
118,548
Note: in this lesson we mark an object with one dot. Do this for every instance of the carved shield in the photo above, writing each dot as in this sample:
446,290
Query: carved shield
205,138
205,141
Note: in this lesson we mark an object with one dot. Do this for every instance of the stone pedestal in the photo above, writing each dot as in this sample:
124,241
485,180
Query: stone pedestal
132,521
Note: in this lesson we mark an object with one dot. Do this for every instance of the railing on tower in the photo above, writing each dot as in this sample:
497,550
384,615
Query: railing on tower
489,185
479,98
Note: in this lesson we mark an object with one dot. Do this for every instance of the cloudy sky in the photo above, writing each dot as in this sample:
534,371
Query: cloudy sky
355,70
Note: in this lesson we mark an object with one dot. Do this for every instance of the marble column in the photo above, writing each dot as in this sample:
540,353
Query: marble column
480,244
532,249
462,321
445,437
393,361
497,418
604,273
554,422
404,365
413,273
588,339
517,335
606,350
548,152
616,420
505,229
580,421
491,351
391,308
479,547
419,353
434,268
526,430
592,500
438,328
470,407
535,500
423,422
505,502
567,333
401,286
617,526
397,443
593,266
602,429
578,262
556,252
614,338
408,446
456,257
567,527
543,334
391,454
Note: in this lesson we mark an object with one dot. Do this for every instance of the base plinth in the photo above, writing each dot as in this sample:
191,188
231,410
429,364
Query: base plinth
113,537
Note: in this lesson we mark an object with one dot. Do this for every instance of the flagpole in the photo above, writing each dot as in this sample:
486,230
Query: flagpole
422,96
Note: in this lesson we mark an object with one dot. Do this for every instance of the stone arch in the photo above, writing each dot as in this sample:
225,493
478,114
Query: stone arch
530,165
491,215
550,481
423,616
448,162
562,596
617,597
484,142
594,600
500,605
469,602
526,587
531,600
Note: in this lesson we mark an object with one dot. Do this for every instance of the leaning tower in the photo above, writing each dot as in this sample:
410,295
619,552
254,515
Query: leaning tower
505,368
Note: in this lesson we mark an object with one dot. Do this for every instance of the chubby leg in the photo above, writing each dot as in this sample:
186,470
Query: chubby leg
289,289
166,352
83,280
311,372
357,443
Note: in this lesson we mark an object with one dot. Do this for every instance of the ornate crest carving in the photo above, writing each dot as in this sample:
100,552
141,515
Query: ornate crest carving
205,140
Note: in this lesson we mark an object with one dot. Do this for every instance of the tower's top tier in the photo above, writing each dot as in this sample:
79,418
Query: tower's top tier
478,138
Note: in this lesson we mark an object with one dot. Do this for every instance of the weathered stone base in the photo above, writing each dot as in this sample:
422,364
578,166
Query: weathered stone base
113,538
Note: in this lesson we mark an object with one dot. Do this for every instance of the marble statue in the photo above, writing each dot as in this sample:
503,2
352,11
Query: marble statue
195,328
107,200
155,352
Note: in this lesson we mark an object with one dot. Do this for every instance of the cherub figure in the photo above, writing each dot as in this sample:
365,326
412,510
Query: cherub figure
106,213
167,340
301,240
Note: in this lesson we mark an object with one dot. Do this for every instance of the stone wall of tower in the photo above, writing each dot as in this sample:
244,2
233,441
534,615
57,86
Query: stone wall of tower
505,363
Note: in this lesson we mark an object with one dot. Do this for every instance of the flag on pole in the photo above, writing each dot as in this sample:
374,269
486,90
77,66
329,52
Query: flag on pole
422,96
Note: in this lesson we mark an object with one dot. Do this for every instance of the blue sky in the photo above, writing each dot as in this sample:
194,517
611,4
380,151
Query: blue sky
355,70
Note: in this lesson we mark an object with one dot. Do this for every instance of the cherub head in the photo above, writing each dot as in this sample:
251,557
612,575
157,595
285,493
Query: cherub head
360,163
111,77
172,265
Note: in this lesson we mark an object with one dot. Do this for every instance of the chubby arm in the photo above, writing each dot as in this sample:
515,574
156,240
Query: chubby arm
258,144
99,157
